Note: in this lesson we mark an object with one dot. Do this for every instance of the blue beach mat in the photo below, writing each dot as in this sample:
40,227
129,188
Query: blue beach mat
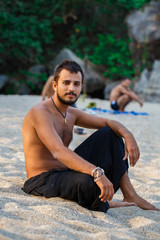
117,112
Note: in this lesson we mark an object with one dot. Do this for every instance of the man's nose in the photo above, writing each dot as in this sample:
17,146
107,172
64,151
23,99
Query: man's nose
71,87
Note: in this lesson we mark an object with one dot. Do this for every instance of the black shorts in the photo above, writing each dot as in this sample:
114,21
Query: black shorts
114,105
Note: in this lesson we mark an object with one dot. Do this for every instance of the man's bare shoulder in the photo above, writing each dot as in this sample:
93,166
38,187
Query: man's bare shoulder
120,88
125,89
116,88
75,112
37,111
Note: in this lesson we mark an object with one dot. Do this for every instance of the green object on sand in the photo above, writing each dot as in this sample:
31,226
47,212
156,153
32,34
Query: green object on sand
91,105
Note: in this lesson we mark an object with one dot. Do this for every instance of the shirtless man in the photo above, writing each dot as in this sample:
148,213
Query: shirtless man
53,170
121,95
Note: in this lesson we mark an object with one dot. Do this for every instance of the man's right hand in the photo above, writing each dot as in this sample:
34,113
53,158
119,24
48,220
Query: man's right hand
106,188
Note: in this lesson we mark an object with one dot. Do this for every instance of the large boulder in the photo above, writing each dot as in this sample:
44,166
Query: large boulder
24,89
94,76
3,80
143,82
144,24
35,73
144,30
35,80
149,84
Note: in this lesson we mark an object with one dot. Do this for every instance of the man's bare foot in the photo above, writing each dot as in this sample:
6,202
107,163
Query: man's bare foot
141,203
113,204
120,110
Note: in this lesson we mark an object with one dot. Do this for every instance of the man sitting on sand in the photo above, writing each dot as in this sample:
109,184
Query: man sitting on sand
93,172
121,95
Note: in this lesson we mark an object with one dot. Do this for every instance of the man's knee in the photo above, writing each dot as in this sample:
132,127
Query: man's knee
123,100
127,98
109,138
107,132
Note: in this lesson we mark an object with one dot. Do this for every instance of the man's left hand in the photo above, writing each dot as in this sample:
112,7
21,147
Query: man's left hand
131,150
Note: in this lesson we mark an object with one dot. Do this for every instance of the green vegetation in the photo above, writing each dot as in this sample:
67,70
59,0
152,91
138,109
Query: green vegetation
35,31
115,55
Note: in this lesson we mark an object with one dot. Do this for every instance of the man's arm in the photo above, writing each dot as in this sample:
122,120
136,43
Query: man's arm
135,97
132,95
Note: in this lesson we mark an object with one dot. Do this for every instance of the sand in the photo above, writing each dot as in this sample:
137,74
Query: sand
28,217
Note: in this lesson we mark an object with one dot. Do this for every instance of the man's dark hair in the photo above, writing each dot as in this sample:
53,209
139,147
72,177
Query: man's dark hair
69,65
123,78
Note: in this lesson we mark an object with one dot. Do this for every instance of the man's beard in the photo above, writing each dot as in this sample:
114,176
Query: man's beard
70,103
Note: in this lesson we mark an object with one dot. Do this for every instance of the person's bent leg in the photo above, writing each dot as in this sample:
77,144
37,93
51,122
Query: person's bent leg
106,150
123,101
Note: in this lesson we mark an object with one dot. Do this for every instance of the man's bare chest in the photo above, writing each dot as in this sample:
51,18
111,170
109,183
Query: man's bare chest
65,132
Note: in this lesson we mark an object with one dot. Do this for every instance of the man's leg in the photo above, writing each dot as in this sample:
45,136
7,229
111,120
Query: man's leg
123,102
106,150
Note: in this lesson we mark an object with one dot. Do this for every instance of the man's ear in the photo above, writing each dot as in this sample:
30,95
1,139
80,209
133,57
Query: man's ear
54,85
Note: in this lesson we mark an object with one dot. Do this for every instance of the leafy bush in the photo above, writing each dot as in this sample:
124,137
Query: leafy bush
26,28
34,31
102,35
34,81
114,55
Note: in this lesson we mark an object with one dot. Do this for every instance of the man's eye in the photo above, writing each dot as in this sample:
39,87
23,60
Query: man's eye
66,83
77,84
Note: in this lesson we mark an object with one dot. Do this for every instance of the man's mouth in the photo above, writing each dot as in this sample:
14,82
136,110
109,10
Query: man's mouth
71,94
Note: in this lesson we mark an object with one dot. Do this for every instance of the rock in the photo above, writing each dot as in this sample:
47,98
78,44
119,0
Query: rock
35,72
149,84
94,77
24,90
64,54
144,24
155,76
143,82
3,80
109,87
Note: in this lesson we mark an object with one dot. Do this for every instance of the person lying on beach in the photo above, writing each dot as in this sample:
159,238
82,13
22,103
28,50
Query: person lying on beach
47,90
96,169
121,95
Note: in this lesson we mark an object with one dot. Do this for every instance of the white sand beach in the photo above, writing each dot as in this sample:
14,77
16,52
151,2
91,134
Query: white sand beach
27,217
